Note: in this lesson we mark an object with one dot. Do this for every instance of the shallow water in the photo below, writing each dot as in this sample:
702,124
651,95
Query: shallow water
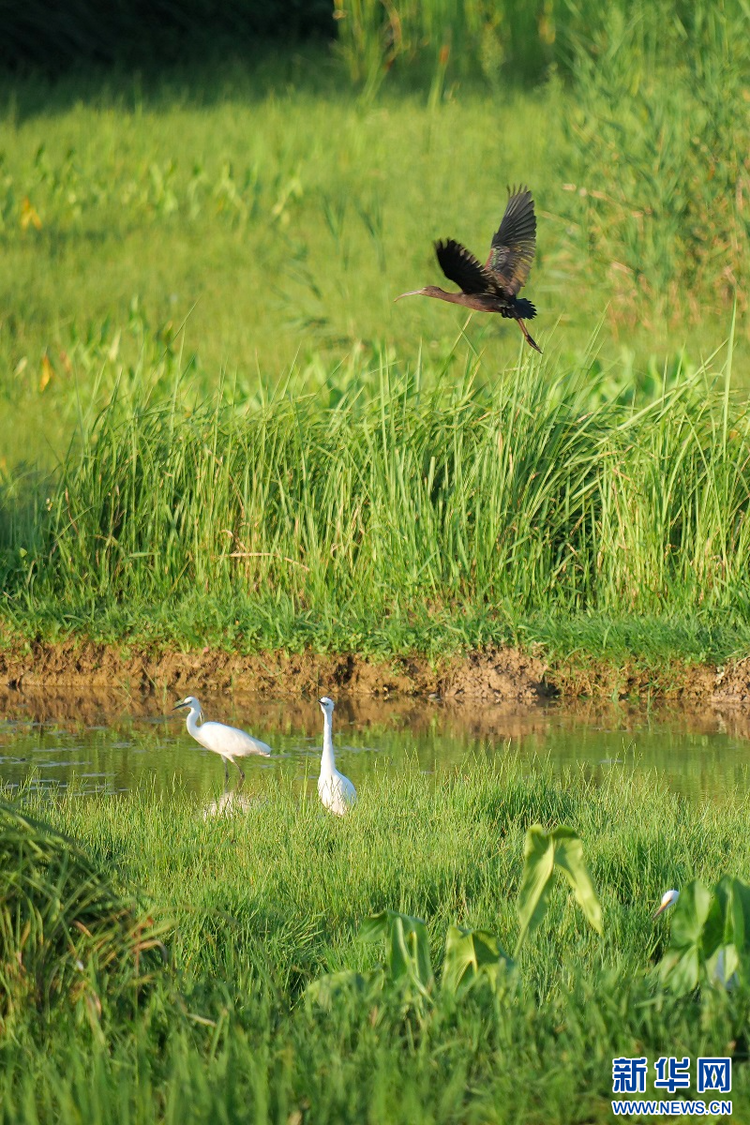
113,742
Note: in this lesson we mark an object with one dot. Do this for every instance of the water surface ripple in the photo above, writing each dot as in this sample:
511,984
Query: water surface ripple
114,742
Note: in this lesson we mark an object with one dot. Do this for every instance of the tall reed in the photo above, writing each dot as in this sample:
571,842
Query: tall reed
462,495
503,41
657,155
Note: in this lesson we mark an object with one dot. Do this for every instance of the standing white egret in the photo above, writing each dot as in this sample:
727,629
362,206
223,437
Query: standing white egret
229,742
669,898
335,791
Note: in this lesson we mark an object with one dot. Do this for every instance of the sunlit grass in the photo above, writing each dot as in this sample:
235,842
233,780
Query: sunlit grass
267,900
285,463
391,511
269,215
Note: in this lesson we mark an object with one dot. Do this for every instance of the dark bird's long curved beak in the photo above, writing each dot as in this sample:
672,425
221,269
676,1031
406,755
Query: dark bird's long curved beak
411,293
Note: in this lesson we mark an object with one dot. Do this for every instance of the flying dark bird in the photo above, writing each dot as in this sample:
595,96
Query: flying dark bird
493,287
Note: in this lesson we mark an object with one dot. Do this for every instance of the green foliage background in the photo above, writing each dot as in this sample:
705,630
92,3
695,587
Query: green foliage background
215,425
203,256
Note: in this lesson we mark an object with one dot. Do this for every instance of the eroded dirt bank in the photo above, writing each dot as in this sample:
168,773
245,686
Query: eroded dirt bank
506,676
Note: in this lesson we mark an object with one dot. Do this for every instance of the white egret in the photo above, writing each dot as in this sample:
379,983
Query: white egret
229,742
669,898
335,791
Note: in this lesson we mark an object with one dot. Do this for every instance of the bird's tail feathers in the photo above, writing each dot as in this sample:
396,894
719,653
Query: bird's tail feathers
524,308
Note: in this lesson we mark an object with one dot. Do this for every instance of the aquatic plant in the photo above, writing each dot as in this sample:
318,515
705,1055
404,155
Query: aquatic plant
471,957
709,939
270,523
258,917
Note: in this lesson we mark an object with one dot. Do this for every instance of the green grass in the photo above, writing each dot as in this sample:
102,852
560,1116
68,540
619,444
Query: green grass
216,426
276,212
265,902
392,511
443,41
61,923
277,220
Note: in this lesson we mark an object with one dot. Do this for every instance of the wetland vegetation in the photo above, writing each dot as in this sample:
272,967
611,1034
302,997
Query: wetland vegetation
396,516
251,908
218,433
217,427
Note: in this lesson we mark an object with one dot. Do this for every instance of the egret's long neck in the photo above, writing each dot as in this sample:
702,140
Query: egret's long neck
193,726
327,762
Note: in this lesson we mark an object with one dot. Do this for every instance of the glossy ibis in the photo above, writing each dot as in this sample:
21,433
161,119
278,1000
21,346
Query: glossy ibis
493,287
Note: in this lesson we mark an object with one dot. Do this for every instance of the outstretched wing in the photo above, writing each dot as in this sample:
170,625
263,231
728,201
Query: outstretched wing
514,244
459,265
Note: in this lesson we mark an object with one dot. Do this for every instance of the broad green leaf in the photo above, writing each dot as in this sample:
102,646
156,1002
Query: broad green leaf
733,898
709,935
681,970
331,989
539,864
690,915
472,956
569,858
375,927
742,898
717,928
543,851
407,946
680,967
726,935
722,966
409,951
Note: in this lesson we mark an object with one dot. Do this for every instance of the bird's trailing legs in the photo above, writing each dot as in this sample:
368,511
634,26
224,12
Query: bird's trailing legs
494,286
529,339
234,762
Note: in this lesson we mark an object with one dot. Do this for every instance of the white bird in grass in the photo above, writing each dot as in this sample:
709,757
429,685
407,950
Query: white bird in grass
229,742
669,898
335,791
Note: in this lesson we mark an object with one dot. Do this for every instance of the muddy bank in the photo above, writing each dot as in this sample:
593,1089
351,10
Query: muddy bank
506,676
